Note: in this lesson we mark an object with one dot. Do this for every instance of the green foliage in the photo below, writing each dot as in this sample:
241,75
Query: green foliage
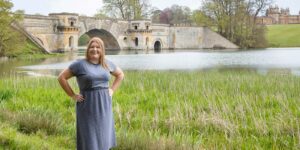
180,14
236,20
125,9
30,48
101,14
163,110
5,94
200,19
283,35
11,41
83,40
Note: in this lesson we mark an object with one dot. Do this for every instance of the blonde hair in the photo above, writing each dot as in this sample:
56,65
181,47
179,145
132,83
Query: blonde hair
102,52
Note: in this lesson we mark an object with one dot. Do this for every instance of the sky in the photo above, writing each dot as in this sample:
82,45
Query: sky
90,7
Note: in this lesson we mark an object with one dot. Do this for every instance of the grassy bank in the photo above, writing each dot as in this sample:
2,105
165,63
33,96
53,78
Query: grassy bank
284,35
162,110
29,51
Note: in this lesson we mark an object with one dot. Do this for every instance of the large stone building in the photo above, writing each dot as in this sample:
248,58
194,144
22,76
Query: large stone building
274,15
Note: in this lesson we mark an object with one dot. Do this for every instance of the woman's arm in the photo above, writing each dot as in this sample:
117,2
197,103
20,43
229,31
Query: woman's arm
63,81
119,76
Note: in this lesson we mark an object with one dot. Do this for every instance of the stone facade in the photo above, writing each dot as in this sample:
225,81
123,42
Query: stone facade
274,15
61,31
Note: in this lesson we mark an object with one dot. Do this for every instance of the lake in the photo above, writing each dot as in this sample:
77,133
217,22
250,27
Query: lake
263,61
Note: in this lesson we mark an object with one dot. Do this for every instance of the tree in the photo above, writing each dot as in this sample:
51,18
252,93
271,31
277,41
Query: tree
258,6
155,17
180,14
127,9
236,20
11,41
166,16
174,15
200,19
115,8
100,14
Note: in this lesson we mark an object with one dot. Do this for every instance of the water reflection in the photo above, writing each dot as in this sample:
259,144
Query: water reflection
81,52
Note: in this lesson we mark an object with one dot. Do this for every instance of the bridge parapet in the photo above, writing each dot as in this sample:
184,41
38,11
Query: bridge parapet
139,31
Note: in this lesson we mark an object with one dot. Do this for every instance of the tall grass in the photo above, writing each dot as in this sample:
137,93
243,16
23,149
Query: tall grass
163,110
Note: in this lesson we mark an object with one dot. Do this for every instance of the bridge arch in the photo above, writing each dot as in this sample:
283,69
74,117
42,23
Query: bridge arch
110,42
157,45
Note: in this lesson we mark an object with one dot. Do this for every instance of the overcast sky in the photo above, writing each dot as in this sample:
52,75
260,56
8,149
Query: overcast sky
90,7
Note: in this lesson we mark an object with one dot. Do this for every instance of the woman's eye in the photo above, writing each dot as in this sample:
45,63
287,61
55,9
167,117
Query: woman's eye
94,47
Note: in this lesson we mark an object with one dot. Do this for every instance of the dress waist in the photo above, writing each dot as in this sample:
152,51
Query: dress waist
94,88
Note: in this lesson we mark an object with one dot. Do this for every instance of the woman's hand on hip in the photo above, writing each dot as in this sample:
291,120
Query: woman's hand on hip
111,92
77,98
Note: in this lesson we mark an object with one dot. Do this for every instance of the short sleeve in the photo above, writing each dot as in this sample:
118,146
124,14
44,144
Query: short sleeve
111,66
74,67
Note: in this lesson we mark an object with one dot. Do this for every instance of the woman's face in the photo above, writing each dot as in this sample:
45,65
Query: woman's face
94,51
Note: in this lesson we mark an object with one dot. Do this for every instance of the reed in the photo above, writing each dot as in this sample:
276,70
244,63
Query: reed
164,110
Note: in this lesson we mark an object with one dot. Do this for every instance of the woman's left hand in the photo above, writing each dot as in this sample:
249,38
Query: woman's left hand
111,92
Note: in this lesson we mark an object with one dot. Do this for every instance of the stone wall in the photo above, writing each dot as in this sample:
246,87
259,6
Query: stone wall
189,38
186,37
213,40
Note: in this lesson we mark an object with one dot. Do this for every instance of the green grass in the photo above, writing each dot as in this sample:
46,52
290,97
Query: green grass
32,52
162,110
29,51
284,35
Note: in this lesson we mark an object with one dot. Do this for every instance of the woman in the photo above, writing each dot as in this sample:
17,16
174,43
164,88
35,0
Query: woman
94,116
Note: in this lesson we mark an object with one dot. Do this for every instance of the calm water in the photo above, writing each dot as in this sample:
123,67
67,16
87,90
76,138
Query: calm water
282,60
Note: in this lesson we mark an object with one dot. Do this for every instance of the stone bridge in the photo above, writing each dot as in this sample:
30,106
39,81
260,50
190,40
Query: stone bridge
61,31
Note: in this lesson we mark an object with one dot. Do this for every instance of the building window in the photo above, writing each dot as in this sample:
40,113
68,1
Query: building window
135,27
136,41
147,27
72,23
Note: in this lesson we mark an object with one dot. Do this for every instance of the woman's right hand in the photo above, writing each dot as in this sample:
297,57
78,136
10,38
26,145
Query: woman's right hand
77,98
